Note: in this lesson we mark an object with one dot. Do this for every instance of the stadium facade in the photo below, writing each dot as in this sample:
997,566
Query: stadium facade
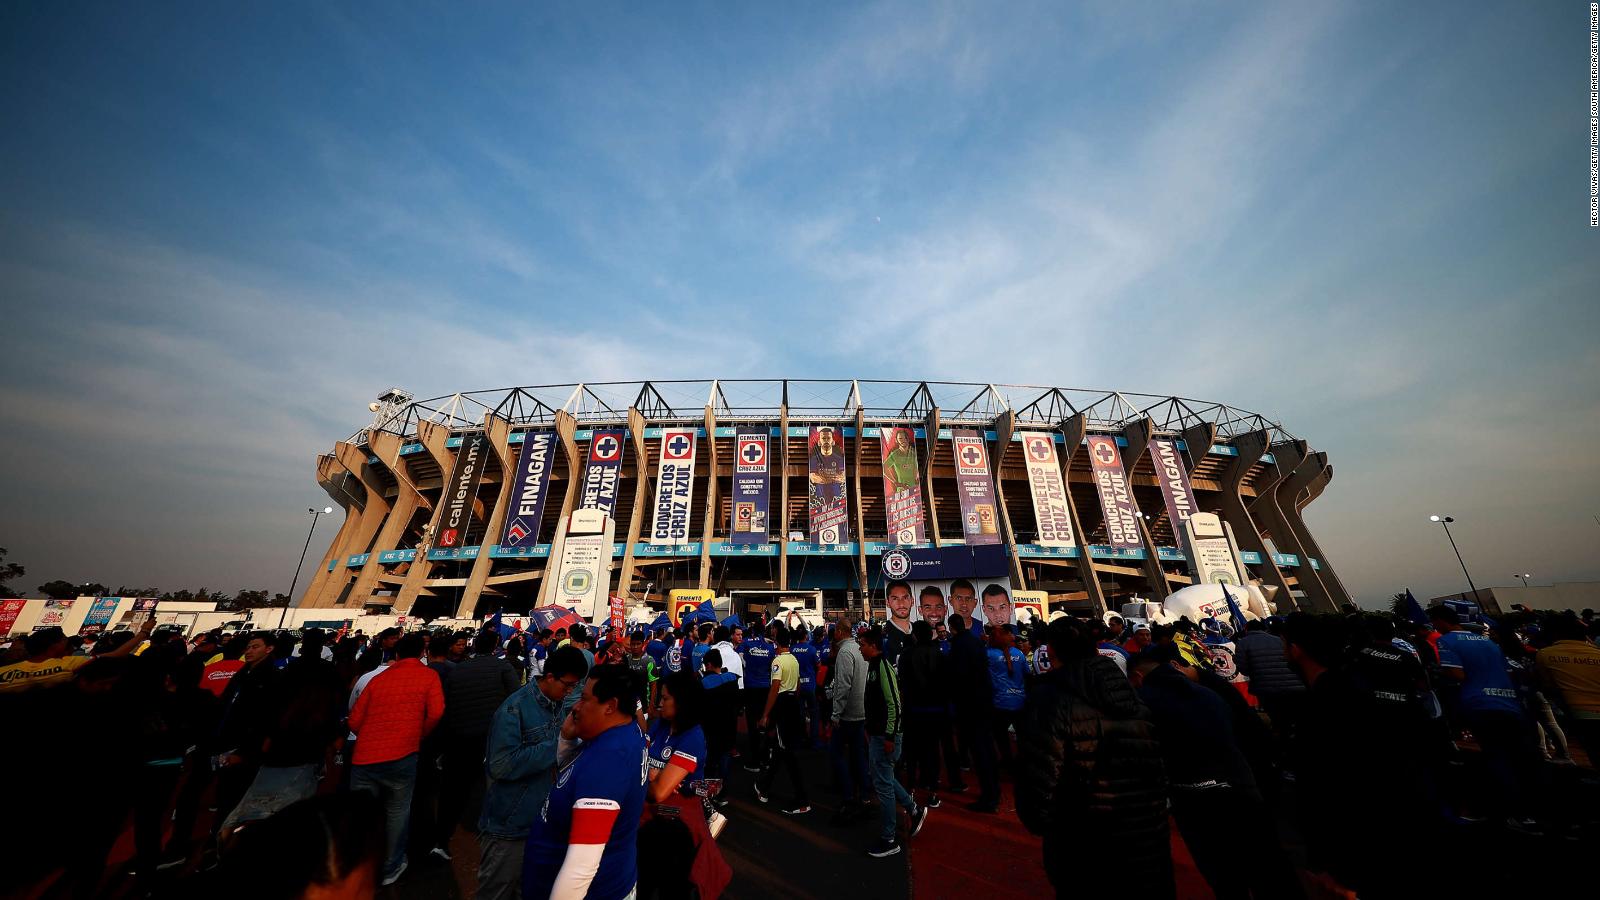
462,505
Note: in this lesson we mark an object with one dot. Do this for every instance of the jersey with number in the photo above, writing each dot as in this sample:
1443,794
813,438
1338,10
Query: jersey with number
597,799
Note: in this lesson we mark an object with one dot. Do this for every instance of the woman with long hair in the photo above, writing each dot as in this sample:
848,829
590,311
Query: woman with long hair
677,742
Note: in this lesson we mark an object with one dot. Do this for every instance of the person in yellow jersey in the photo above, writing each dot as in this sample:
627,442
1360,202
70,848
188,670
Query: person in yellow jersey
1569,670
48,664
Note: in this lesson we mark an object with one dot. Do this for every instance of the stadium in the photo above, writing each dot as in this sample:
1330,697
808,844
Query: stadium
579,494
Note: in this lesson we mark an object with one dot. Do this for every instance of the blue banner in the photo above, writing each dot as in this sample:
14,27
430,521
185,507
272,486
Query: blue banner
533,483
750,487
601,477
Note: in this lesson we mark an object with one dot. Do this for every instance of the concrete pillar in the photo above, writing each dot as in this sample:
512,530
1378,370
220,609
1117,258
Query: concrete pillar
1308,473
499,434
408,499
861,519
641,490
566,433
330,475
1268,509
708,528
782,518
432,436
931,429
373,513
1251,448
1004,427
1073,432
1138,436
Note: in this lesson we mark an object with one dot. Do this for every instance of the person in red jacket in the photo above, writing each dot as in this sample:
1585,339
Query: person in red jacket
392,716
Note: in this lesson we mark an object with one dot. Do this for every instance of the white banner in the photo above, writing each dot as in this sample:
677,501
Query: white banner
674,487
1049,490
583,566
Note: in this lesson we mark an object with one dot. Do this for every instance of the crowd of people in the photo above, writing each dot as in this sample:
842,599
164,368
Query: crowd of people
602,769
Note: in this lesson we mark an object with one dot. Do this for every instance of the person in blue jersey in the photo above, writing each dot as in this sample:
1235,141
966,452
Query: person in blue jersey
756,654
702,643
1487,705
657,647
805,657
678,751
584,842
1008,671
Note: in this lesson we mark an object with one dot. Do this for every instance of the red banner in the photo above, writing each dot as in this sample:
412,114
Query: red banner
9,610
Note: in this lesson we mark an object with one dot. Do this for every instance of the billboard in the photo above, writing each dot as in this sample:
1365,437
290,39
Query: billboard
1116,496
603,474
750,487
9,610
99,615
1050,511
980,523
828,500
460,490
902,485
1174,480
583,566
54,615
533,484
1213,558
674,487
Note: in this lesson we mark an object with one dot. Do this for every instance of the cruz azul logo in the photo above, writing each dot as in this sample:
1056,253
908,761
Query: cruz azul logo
606,448
752,454
896,564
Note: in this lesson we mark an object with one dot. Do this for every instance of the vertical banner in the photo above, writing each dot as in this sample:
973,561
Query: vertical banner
460,490
1049,486
99,616
1174,479
828,506
750,487
55,613
1116,497
604,472
143,608
674,487
9,610
902,486
533,483
618,612
980,524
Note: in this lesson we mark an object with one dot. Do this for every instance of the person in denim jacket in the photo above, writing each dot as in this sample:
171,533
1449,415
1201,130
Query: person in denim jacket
520,762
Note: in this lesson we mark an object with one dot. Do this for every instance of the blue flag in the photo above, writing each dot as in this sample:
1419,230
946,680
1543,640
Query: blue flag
1237,614
1414,610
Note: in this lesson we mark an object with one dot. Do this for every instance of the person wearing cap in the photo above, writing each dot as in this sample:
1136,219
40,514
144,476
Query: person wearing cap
1139,639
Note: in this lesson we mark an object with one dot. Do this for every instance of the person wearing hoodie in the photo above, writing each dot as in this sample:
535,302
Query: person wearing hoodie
1090,778
925,693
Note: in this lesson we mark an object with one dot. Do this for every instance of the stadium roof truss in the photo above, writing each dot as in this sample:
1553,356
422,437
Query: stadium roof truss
760,400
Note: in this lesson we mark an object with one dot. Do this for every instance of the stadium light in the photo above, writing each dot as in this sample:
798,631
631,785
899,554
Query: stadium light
314,513
1445,521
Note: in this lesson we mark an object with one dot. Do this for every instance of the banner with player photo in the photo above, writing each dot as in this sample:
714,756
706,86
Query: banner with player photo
533,485
954,595
980,522
1173,477
1116,495
902,486
674,487
461,488
828,501
603,473
750,487
1049,486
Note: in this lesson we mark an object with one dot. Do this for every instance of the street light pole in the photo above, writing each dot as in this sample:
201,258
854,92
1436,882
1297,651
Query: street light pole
1445,521
314,514
1525,576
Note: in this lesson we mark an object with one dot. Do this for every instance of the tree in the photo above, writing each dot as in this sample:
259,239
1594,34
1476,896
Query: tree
59,590
93,589
1397,605
9,572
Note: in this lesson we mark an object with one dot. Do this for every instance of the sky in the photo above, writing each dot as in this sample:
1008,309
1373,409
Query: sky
224,230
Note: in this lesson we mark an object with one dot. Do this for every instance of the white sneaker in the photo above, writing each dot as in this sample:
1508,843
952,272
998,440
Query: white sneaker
440,853
396,876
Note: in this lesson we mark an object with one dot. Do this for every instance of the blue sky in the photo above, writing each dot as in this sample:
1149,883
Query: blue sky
222,231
